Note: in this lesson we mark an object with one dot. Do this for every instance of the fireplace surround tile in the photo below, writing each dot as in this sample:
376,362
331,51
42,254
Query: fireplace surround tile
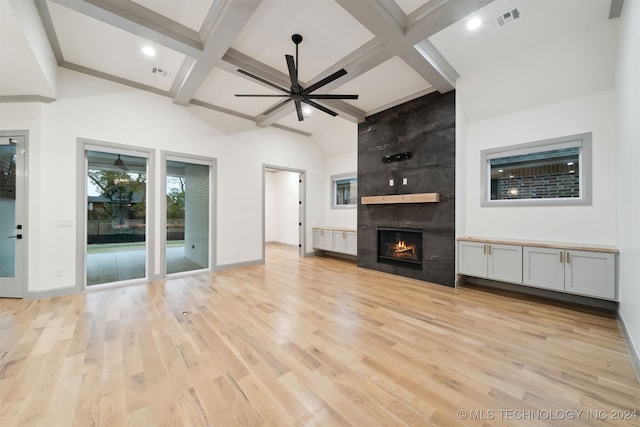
426,128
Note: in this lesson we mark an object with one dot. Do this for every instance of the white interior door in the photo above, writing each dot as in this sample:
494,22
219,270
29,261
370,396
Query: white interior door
12,213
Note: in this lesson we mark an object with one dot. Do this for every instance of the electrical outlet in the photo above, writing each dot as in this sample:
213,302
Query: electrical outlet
390,183
404,181
58,272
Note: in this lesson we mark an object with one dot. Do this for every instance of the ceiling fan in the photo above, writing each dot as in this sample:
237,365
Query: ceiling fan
297,93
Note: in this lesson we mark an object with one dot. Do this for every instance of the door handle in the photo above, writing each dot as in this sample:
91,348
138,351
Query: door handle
17,236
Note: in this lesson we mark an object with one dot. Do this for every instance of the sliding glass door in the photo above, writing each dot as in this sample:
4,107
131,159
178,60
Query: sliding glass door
116,233
188,184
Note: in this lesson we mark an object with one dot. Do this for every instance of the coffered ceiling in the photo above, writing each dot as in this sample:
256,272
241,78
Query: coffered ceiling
392,50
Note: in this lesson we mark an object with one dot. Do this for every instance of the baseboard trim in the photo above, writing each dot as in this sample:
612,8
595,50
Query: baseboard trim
544,293
331,254
634,354
239,264
52,293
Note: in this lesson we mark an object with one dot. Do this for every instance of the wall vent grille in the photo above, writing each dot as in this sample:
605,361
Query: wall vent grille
507,17
160,72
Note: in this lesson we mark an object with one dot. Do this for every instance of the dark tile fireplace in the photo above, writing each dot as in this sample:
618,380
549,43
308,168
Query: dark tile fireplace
400,246
407,150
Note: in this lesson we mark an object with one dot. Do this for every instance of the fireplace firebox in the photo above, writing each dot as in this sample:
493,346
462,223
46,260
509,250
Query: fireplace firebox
400,246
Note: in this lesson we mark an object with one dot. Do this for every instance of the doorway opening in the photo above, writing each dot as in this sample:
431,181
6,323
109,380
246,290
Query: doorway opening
189,197
116,228
283,207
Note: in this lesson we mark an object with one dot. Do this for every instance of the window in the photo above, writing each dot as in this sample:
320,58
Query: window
549,172
344,191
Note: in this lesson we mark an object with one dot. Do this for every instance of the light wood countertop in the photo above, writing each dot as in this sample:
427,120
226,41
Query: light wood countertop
542,244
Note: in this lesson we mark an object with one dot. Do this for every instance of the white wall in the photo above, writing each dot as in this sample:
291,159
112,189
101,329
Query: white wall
594,224
281,207
93,109
337,165
628,172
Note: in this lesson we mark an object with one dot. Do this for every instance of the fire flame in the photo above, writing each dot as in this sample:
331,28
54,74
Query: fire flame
401,245
401,250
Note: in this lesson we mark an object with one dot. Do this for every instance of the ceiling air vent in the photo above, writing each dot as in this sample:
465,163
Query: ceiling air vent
159,71
507,17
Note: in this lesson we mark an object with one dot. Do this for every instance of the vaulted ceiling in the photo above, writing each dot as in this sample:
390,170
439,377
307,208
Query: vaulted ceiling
392,51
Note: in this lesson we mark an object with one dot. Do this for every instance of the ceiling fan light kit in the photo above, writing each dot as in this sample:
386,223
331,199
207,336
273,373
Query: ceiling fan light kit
297,93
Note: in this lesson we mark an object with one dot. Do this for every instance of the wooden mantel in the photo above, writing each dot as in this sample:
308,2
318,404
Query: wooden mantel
401,198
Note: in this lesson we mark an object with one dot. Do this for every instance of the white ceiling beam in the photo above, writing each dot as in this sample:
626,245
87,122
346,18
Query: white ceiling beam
34,32
230,19
135,19
389,31
406,35
435,17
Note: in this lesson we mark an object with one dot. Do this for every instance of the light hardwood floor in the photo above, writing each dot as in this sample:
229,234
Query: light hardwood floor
310,341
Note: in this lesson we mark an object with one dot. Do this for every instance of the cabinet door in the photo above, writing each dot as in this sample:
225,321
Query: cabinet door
543,268
472,259
351,243
591,274
505,263
317,239
339,241
344,242
323,239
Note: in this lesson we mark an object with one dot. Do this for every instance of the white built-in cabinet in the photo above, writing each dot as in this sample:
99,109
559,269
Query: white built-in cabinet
490,261
578,272
338,240
587,271
322,239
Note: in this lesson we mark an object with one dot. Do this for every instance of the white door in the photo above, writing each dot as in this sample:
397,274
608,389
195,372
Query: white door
590,273
543,268
505,263
12,214
472,259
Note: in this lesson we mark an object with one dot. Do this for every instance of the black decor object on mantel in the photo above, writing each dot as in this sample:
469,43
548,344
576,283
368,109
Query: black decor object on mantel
297,93
396,157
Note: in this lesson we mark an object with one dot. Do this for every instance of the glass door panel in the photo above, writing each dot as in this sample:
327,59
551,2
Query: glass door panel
188,216
116,217
8,235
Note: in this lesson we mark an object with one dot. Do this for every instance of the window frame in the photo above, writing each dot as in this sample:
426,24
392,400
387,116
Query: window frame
583,140
334,193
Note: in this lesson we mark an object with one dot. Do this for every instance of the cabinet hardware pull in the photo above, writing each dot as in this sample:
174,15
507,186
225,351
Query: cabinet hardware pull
568,258
484,249
489,249
561,260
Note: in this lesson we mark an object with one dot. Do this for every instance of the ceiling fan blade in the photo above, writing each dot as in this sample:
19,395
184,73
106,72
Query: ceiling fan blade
312,96
275,107
262,95
319,107
293,74
325,81
299,111
260,79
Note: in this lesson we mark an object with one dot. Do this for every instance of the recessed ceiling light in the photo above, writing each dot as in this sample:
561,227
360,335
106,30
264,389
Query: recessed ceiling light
306,110
474,24
149,51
